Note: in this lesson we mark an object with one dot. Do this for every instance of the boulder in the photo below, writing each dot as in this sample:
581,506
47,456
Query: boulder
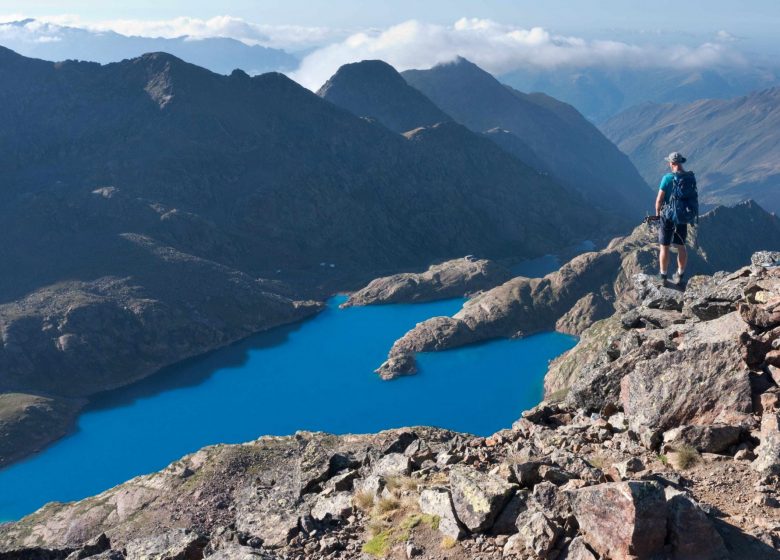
437,501
392,464
622,519
336,506
96,546
765,259
716,438
768,452
178,544
396,366
506,521
577,550
478,497
514,547
599,383
372,485
540,534
548,498
628,468
238,552
655,296
691,533
704,384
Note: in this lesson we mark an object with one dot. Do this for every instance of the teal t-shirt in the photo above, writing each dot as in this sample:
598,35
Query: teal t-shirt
666,185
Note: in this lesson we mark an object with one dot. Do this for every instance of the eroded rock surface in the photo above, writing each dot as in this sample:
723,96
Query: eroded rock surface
450,279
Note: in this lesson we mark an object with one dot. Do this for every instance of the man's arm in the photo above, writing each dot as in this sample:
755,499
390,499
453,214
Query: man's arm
659,202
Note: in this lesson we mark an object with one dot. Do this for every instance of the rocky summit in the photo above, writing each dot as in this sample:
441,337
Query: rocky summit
663,443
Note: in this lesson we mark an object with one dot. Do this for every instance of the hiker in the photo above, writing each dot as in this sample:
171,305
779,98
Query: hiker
676,206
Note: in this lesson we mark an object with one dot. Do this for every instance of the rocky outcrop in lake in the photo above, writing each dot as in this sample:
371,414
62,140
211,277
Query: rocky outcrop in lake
587,288
450,279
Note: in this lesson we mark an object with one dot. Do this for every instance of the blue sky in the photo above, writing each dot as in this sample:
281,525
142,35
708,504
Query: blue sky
498,35
750,17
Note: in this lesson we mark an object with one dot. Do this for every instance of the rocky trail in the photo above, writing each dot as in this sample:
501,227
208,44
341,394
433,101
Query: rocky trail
661,440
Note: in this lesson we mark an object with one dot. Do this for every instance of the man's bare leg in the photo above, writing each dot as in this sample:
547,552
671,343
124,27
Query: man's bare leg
663,258
682,257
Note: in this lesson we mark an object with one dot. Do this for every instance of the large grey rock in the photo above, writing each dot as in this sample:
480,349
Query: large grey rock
704,384
716,438
540,534
622,519
768,452
577,550
336,506
178,544
506,521
655,296
392,464
238,552
691,533
478,497
437,501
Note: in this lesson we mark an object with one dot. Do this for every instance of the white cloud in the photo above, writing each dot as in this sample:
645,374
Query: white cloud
498,48
292,37
495,47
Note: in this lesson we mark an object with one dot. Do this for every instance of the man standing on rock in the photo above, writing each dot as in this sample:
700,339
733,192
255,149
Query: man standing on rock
676,206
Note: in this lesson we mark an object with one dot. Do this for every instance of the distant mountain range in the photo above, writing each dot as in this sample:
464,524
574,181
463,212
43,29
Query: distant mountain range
542,129
218,54
732,145
600,93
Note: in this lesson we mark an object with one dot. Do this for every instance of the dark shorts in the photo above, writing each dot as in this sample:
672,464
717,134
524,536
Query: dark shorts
671,233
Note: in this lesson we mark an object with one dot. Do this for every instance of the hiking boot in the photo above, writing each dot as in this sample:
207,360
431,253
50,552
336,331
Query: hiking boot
679,279
662,278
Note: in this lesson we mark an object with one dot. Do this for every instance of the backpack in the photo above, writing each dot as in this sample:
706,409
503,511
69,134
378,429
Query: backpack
683,204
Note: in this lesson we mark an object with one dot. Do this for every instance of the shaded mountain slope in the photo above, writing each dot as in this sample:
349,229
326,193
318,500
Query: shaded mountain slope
574,151
733,145
373,88
153,210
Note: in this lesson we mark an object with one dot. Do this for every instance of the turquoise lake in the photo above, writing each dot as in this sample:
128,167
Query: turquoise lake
315,375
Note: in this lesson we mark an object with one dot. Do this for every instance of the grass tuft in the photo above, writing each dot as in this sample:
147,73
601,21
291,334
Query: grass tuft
448,542
686,457
386,505
364,501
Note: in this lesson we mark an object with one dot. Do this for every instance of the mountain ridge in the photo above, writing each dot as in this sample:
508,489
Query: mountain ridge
574,151
731,144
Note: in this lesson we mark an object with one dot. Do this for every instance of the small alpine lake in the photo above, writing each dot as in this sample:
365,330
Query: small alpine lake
314,375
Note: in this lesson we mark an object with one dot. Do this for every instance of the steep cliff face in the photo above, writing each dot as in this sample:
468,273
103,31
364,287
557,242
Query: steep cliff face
655,452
